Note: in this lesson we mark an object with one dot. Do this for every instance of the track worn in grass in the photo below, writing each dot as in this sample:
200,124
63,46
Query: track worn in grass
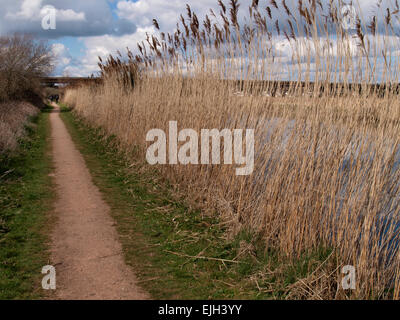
25,200
180,254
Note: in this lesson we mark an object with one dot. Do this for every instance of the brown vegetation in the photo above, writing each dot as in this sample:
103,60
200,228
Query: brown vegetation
13,117
22,60
327,164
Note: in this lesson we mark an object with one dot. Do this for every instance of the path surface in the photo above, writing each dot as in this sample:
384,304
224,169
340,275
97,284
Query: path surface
85,248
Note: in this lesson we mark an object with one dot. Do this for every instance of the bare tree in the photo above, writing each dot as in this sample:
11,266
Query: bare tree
23,59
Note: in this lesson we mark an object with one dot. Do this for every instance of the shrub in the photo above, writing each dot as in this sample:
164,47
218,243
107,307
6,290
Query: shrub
23,60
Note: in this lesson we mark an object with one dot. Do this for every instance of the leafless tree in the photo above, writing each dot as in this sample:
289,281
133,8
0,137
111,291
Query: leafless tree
23,59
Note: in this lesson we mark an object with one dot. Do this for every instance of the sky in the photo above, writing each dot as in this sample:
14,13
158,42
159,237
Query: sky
86,29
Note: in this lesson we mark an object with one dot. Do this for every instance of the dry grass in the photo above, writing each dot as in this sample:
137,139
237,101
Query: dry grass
327,161
13,118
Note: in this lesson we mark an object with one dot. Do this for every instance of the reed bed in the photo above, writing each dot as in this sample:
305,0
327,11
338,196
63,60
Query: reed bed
326,150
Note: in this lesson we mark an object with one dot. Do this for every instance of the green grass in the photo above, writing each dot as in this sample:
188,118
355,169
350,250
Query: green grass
25,201
162,239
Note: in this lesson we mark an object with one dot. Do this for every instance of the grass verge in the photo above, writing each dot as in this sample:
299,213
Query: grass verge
179,254
25,199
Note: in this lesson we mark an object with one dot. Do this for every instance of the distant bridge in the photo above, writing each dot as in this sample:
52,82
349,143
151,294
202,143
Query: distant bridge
281,88
52,81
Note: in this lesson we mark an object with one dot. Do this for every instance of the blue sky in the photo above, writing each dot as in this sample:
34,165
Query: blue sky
87,29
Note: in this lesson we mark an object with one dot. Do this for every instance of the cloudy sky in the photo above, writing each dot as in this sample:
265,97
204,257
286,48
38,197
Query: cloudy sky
86,29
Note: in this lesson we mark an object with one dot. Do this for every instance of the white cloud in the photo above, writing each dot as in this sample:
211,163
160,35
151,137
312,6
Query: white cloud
58,49
69,15
61,53
29,9
166,12
142,13
103,46
34,10
74,18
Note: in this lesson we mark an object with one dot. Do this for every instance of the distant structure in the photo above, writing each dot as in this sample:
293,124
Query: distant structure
57,81
54,97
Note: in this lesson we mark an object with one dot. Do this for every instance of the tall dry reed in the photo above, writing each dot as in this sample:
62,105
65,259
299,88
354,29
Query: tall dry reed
327,141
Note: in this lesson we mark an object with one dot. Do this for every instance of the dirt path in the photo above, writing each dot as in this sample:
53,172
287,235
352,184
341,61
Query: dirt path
85,252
